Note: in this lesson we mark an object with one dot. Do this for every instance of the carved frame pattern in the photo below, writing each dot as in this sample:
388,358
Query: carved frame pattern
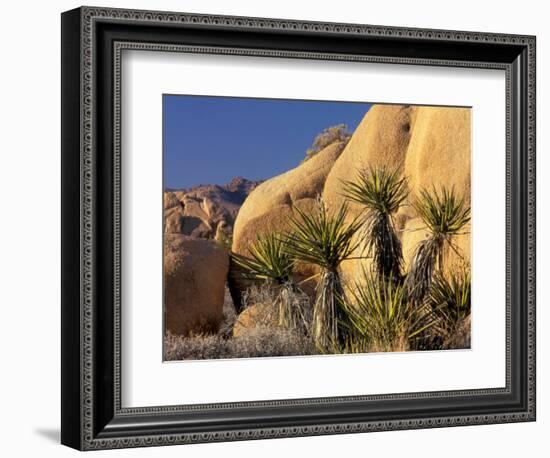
89,16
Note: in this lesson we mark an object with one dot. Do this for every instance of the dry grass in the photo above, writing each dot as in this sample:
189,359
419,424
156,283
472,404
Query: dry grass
263,337
229,315
260,341
284,306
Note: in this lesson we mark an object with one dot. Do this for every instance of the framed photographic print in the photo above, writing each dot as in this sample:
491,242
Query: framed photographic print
277,228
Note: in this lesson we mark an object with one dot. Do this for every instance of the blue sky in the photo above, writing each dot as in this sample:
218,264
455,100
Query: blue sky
210,140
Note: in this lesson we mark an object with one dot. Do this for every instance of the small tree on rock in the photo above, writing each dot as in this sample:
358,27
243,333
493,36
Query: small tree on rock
330,135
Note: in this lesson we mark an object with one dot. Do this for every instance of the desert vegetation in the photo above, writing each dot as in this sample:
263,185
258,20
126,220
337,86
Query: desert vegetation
363,247
381,192
261,341
445,216
334,134
384,309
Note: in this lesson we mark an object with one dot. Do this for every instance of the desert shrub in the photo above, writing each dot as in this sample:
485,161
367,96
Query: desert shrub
268,260
262,298
195,347
260,341
461,338
325,240
268,341
450,299
294,308
258,294
272,303
445,216
381,192
330,135
380,317
270,263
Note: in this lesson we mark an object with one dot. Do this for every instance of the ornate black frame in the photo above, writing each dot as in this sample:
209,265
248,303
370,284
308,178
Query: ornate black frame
92,42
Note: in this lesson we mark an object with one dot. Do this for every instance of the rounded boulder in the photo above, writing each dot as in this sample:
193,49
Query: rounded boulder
195,273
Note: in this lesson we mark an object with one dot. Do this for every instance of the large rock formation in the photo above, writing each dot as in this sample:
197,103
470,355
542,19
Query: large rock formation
429,145
195,271
271,204
187,218
205,211
170,200
261,209
382,138
195,266
439,154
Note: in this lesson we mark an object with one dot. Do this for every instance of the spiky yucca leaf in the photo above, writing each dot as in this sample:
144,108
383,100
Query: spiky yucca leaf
423,266
444,213
321,238
445,216
450,298
268,260
271,263
326,240
381,191
379,316
378,188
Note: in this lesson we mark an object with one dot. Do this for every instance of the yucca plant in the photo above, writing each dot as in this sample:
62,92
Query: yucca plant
381,191
326,240
268,260
445,215
272,264
450,299
380,317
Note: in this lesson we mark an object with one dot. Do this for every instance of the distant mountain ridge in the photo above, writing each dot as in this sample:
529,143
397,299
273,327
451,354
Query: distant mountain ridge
236,190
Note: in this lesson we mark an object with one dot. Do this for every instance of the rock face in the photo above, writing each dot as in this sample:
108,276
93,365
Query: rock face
205,211
439,154
247,319
270,205
170,200
195,268
185,221
304,182
429,145
195,271
382,138
241,187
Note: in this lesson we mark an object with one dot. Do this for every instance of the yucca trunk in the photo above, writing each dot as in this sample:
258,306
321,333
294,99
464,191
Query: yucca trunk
327,314
428,259
293,308
324,240
445,215
381,192
388,254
